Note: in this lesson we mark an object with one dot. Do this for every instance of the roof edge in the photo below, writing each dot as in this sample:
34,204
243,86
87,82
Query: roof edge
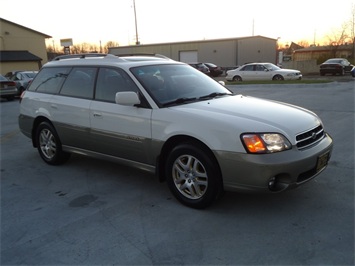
18,25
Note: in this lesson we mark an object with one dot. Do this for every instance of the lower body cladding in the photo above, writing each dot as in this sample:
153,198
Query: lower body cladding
273,172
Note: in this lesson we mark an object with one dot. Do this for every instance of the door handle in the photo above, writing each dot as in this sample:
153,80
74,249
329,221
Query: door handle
97,114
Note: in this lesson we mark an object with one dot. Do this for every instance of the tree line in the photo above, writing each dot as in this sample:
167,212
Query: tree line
83,48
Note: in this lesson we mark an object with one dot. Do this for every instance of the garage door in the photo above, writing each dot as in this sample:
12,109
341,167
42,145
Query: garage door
188,56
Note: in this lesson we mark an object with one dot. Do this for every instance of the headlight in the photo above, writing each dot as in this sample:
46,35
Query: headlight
265,142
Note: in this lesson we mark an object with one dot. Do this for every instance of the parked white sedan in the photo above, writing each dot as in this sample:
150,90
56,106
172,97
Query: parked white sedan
262,71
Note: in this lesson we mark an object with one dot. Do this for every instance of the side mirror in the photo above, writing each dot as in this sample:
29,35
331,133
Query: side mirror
222,83
128,98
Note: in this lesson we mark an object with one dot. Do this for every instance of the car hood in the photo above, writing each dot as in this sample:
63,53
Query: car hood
250,114
285,70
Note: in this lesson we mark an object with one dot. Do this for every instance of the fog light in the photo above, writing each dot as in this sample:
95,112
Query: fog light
272,183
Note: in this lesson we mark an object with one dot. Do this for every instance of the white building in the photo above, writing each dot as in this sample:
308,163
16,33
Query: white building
229,52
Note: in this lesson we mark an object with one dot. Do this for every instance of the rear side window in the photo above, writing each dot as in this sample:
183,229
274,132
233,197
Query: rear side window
248,68
49,80
80,83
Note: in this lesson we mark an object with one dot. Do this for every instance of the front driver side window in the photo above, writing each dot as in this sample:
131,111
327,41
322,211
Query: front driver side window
110,81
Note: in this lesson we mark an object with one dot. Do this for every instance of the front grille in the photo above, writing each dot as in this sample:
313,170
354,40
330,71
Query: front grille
310,137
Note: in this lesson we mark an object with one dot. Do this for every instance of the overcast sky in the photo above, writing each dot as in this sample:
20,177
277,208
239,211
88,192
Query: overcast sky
161,21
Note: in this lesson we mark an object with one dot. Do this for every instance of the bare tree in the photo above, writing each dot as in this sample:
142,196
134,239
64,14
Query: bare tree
345,35
304,43
352,29
110,44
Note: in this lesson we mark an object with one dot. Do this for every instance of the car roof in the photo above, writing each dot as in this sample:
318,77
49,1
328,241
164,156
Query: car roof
109,60
258,63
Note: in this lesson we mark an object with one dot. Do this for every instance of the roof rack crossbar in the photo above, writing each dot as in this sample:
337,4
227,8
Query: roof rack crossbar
143,54
70,56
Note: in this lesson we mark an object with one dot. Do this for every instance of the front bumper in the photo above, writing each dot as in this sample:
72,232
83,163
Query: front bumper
288,169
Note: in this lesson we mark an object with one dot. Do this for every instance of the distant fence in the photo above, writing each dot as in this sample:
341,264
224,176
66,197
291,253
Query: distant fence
306,67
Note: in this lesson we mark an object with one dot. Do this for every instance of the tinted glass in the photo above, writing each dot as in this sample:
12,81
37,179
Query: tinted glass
167,83
110,81
30,75
248,68
259,68
49,80
80,83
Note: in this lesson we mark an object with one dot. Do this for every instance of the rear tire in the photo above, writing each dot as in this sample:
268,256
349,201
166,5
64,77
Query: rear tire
10,98
49,145
193,176
237,78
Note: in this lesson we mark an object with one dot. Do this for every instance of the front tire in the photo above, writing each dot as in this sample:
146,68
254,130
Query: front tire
237,78
278,77
193,176
49,145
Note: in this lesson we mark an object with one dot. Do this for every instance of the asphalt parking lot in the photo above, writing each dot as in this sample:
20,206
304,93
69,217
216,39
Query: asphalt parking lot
91,212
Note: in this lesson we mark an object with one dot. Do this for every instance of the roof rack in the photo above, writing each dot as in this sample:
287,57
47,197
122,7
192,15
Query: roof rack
108,56
143,54
81,56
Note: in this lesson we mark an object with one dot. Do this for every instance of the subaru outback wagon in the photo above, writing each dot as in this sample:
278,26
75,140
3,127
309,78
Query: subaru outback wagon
168,118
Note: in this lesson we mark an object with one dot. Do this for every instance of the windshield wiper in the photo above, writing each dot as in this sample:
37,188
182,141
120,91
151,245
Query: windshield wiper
213,95
180,101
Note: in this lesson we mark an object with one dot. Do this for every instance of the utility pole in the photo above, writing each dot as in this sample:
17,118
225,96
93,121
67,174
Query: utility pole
135,20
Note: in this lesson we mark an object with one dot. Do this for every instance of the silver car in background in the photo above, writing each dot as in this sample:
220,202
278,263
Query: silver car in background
21,78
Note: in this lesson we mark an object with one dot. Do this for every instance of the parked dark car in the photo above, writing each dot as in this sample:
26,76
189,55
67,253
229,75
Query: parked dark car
201,66
352,72
335,66
21,78
215,70
8,88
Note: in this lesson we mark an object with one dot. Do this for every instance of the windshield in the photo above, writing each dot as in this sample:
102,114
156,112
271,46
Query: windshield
177,84
272,67
30,74
333,61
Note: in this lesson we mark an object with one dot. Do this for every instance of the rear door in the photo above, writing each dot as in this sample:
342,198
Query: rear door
70,108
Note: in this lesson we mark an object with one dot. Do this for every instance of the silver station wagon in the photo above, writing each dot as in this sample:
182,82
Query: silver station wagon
168,118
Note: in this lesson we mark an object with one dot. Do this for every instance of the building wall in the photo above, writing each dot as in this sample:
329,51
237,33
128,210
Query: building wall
306,67
222,52
324,52
256,50
15,37
14,66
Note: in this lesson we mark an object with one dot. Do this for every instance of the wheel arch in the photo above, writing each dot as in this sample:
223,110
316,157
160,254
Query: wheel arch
237,78
278,77
177,140
36,123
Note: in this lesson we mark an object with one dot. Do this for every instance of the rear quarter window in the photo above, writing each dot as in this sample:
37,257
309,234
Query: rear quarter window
49,80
